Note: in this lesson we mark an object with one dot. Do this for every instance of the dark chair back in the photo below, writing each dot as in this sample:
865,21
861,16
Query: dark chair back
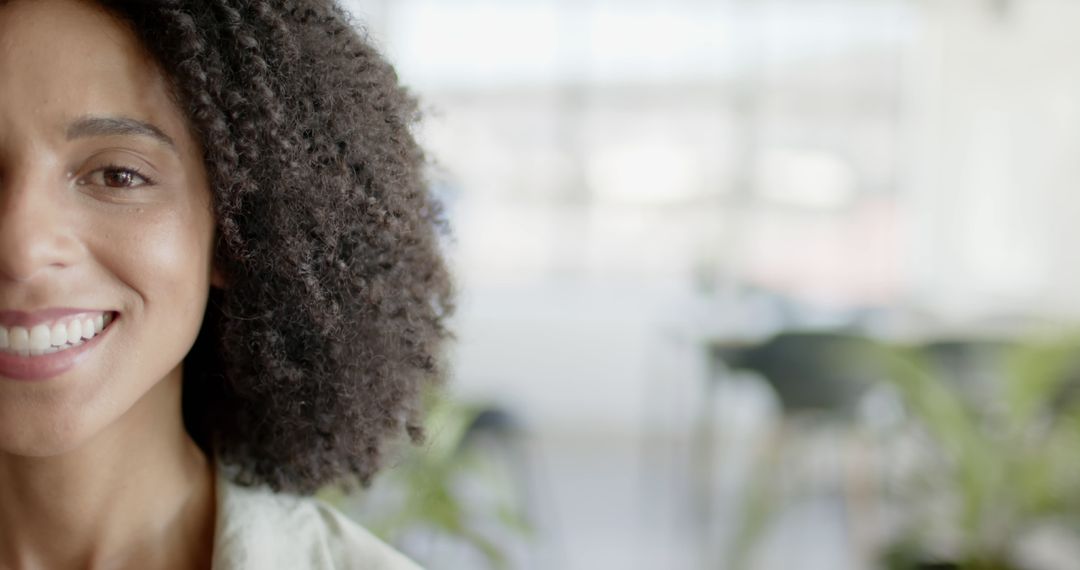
814,371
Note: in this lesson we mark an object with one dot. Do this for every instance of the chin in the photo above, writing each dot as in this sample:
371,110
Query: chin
37,438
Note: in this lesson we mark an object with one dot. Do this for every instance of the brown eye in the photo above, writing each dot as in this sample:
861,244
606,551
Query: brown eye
117,177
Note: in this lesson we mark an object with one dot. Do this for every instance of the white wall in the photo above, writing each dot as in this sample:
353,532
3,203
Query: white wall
994,194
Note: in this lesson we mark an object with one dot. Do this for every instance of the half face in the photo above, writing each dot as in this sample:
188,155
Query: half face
106,229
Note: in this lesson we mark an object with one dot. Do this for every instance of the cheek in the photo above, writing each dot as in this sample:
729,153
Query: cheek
160,258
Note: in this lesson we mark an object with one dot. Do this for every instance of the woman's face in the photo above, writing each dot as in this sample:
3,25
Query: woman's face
104,211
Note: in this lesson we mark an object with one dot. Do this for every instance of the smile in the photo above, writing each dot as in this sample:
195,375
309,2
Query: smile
51,348
55,336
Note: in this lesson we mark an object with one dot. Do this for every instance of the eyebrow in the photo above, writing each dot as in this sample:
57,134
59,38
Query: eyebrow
117,126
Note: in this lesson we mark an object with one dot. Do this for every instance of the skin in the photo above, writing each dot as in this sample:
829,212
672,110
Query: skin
96,469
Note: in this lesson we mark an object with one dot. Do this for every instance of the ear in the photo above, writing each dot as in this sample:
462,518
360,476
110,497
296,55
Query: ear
217,277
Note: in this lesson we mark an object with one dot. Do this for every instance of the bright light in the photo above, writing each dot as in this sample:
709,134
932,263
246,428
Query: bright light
647,172
805,178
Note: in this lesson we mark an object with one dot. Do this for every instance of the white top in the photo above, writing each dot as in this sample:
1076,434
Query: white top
257,529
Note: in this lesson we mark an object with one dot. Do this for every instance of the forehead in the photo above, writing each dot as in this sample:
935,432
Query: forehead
62,59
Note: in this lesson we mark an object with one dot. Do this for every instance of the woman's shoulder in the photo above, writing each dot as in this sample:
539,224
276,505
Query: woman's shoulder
259,529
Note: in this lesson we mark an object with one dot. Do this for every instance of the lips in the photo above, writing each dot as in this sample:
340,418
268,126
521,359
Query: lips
45,366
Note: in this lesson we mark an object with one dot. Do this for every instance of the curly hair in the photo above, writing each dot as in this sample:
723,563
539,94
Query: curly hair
315,355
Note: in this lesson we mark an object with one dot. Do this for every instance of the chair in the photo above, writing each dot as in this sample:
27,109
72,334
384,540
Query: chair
819,378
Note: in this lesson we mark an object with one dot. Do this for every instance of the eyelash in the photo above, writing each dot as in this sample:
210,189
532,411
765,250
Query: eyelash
147,181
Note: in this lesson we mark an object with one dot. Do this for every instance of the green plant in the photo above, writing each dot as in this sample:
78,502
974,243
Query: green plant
1004,460
427,490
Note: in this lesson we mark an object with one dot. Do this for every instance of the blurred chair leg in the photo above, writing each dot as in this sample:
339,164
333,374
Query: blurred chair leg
702,465
765,494
859,497
760,499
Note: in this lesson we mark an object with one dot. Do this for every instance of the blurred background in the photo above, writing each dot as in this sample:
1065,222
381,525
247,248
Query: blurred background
748,283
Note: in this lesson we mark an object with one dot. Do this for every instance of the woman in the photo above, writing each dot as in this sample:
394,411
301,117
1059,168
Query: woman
220,283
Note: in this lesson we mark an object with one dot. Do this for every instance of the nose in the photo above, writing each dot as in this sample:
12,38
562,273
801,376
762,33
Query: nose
35,237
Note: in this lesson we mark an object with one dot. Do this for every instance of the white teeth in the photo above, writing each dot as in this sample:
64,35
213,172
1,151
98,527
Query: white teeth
58,335
47,338
19,338
39,337
74,329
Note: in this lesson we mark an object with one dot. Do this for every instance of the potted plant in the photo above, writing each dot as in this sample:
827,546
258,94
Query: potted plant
1001,464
